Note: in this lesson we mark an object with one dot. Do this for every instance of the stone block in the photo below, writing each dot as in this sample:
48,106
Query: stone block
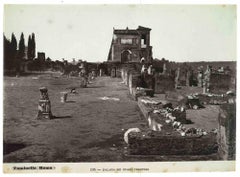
163,83
155,143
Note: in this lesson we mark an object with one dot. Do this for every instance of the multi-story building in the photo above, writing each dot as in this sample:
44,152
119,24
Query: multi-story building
130,46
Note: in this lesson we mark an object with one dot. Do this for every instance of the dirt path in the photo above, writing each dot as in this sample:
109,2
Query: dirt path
87,129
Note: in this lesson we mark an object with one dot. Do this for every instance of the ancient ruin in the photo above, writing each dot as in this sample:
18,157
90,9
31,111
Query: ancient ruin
130,45
44,106
216,81
135,107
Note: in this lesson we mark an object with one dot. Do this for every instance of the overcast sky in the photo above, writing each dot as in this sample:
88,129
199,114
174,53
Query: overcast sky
179,32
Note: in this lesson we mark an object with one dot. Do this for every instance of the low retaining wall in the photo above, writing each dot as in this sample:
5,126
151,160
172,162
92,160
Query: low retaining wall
154,144
166,140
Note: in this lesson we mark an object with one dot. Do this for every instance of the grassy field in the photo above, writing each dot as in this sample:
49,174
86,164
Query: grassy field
85,129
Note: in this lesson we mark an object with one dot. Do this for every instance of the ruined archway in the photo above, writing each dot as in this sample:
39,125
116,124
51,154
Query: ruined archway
126,56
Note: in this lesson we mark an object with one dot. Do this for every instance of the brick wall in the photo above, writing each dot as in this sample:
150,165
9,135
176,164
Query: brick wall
134,80
163,83
171,145
149,81
227,131
219,83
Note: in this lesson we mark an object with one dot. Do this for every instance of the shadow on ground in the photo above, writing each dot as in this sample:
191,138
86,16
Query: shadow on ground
11,147
62,117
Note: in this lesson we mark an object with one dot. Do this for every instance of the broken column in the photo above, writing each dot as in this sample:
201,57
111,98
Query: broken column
44,106
188,78
164,69
83,81
206,81
113,72
200,76
177,78
64,97
100,73
93,74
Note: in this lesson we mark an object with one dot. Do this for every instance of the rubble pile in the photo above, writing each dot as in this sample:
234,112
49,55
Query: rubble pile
140,91
215,99
166,132
162,116
193,102
176,118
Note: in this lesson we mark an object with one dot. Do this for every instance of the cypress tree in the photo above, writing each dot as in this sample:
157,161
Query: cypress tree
13,50
21,52
6,52
33,46
29,52
14,43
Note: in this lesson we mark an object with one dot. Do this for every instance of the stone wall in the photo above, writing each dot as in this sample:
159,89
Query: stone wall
182,77
219,83
148,81
227,132
163,83
134,81
152,144
118,49
166,140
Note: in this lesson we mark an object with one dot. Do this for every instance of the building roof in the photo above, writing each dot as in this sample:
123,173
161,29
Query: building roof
126,31
144,28
131,31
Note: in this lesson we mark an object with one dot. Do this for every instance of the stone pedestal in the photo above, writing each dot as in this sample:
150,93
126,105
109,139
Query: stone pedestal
44,106
83,82
64,97
177,78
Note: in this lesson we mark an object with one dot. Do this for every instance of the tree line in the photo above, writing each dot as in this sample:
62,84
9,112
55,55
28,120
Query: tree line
14,54
18,57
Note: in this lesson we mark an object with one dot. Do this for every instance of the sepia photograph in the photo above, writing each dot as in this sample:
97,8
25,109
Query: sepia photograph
124,83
